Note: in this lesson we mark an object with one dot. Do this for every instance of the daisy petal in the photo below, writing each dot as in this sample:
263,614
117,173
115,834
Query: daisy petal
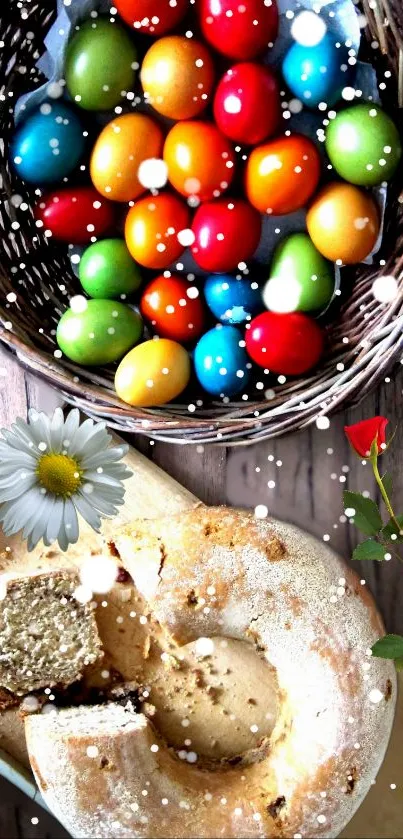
36,528
18,488
87,511
79,439
55,520
70,521
70,426
15,514
40,429
102,478
57,430
62,538
102,458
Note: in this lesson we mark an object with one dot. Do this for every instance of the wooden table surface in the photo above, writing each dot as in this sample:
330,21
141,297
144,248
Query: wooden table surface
299,478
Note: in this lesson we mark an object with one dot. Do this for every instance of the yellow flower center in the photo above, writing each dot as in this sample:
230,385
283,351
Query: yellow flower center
59,474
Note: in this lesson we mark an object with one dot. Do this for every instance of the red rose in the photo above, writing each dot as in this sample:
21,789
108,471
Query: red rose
363,434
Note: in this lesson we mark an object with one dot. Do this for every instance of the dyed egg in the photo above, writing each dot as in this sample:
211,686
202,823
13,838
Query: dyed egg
232,299
317,73
100,63
153,373
247,103
238,30
200,159
76,215
118,152
152,17
97,331
152,228
343,223
173,307
226,233
363,145
177,75
289,344
282,175
221,364
300,278
49,144
107,270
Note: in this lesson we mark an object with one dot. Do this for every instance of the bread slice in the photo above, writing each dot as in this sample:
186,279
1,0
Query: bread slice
46,636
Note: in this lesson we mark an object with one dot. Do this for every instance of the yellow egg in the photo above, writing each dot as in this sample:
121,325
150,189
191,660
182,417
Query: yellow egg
153,373
119,150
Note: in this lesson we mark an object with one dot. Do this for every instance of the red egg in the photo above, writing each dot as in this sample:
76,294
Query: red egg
153,17
247,103
226,232
239,29
174,308
284,343
75,215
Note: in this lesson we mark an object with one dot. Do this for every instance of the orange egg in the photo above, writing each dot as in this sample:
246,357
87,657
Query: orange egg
200,159
152,228
282,175
153,373
177,75
118,152
343,223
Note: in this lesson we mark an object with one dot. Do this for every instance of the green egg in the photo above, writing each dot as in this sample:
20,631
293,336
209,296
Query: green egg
98,331
107,269
363,145
100,63
300,278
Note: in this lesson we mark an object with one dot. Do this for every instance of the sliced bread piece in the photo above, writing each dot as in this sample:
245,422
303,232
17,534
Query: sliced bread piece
46,636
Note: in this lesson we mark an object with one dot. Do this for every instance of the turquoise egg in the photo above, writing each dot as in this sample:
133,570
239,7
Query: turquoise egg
220,362
97,331
49,144
319,73
232,299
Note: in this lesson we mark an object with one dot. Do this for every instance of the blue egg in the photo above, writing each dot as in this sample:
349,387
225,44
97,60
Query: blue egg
232,300
48,145
317,74
220,363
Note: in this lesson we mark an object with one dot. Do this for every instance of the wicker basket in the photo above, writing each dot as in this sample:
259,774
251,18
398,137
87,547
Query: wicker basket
364,340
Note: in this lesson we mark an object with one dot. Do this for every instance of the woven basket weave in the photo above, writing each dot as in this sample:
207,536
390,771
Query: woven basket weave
364,340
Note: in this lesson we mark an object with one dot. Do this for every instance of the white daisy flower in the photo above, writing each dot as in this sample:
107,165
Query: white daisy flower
53,468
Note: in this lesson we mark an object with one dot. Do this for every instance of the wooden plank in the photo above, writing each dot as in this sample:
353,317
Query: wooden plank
300,478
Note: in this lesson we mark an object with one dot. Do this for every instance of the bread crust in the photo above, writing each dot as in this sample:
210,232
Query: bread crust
292,598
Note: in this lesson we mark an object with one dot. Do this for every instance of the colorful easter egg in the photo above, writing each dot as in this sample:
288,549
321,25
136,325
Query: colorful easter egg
97,331
363,145
300,278
289,344
177,75
173,307
282,175
107,270
343,223
226,232
232,299
317,73
200,159
100,64
239,30
152,17
119,150
247,103
76,214
220,361
153,373
49,144
152,228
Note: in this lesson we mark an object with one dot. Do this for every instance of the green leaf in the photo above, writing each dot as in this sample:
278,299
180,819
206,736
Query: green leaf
390,529
370,550
390,646
388,483
367,516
